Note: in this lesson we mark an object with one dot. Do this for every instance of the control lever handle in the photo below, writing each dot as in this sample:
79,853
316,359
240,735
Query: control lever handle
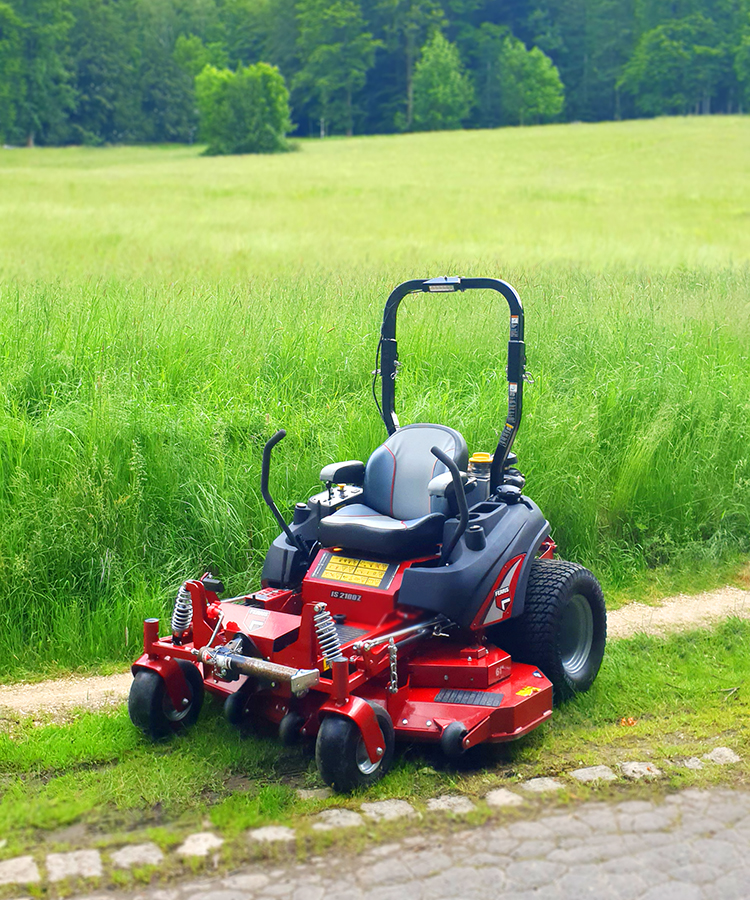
463,507
265,468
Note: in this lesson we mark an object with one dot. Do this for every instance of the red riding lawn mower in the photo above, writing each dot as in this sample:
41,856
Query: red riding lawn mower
416,598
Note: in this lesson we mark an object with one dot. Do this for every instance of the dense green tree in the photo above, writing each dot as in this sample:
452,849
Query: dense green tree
443,95
742,70
336,52
676,67
406,25
11,68
531,89
43,94
516,86
167,93
246,111
104,54
192,55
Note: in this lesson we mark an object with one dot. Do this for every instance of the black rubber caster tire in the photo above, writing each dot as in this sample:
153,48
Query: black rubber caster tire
152,711
341,756
452,741
236,707
290,727
563,627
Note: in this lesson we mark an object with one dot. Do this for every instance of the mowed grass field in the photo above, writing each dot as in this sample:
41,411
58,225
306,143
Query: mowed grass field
162,314
641,194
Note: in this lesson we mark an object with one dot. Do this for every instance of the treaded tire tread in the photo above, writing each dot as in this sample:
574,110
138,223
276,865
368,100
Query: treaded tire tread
552,582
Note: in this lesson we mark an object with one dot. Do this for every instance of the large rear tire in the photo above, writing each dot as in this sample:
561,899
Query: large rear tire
153,712
563,627
341,756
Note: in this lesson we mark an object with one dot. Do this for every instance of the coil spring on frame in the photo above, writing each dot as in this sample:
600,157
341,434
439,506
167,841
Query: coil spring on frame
325,630
182,615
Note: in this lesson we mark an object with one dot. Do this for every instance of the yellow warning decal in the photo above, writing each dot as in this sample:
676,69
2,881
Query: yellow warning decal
355,571
527,691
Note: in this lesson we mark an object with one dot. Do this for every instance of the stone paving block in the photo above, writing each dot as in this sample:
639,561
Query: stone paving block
78,864
308,892
272,834
137,855
455,804
593,773
722,756
502,797
218,894
253,882
199,844
159,894
338,818
636,771
533,873
314,793
542,785
388,810
692,762
19,870
389,850
675,890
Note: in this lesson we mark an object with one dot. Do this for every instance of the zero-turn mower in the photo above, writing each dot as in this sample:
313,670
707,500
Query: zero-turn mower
415,598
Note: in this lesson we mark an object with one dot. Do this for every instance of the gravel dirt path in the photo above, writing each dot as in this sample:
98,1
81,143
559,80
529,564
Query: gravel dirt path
678,613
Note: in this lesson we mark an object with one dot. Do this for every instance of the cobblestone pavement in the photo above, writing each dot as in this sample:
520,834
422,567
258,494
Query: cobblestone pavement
695,844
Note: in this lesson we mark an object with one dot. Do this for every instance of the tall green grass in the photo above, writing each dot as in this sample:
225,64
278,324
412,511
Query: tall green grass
133,418
162,314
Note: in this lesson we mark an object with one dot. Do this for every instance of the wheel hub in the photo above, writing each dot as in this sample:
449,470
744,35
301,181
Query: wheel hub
576,635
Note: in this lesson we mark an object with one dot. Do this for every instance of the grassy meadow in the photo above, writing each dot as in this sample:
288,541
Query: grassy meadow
163,313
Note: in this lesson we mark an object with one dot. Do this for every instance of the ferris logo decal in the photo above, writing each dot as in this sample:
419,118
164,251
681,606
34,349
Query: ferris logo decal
501,598
343,595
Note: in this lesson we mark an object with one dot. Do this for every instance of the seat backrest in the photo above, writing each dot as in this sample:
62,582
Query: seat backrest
398,472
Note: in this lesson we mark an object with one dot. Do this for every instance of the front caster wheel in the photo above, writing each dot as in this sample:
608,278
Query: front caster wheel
452,741
152,711
563,626
341,755
237,704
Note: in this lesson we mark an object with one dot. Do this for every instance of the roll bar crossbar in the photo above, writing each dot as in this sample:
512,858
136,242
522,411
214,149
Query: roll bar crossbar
516,355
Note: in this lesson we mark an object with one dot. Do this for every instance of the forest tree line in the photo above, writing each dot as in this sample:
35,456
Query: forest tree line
124,71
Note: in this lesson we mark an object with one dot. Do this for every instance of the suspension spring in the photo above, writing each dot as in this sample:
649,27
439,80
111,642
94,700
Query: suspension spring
325,631
183,612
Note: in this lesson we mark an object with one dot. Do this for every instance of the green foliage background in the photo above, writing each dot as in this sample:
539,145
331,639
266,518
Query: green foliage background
122,71
163,313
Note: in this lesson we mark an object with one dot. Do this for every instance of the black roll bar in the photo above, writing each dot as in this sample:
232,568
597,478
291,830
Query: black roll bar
516,355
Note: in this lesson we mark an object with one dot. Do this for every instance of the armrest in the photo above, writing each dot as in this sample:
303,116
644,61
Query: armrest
442,485
350,472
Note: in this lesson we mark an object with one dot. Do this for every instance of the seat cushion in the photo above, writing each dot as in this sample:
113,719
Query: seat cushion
359,527
398,472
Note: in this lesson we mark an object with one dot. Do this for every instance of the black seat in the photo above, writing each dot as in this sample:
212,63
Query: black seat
397,518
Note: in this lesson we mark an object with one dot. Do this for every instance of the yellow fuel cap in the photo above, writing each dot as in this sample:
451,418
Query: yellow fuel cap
481,458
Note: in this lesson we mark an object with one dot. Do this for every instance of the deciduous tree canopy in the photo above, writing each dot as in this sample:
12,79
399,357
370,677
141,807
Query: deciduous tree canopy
94,71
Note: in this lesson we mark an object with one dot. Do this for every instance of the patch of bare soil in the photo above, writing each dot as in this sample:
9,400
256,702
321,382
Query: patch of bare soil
679,613
58,698
63,694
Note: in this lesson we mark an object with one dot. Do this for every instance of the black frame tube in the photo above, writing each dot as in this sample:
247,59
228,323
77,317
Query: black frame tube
516,355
